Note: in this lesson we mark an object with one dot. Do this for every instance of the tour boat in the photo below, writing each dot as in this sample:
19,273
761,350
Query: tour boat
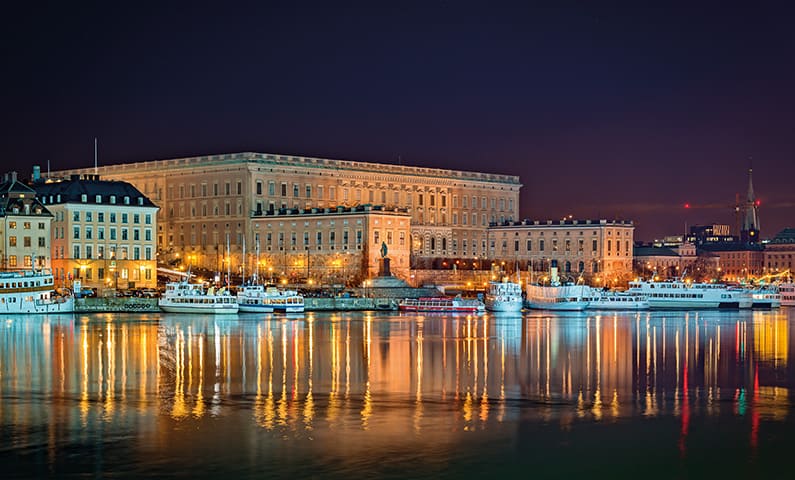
602,299
184,297
766,296
787,292
558,297
504,296
442,305
32,292
677,294
269,299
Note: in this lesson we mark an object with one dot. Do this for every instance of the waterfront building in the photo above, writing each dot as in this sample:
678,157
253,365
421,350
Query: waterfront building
24,227
205,199
683,261
779,253
103,232
600,251
328,245
739,261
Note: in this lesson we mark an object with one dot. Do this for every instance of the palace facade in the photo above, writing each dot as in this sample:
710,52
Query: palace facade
205,200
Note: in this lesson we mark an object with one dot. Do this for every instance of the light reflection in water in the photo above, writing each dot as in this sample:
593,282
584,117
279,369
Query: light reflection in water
398,375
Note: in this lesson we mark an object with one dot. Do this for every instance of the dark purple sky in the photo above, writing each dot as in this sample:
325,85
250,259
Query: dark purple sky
602,111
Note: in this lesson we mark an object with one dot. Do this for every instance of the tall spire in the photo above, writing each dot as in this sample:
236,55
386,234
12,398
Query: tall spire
750,229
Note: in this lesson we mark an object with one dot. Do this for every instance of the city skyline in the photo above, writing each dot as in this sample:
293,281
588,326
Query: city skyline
602,113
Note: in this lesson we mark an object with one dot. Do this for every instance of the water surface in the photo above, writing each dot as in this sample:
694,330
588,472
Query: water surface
652,394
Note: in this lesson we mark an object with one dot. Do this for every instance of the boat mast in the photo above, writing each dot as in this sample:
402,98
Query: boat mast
228,263
243,271
256,267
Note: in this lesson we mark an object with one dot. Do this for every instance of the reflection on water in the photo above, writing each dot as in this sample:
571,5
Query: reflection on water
366,392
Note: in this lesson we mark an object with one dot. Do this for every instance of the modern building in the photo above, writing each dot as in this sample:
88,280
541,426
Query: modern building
328,246
598,250
103,232
205,199
710,234
24,227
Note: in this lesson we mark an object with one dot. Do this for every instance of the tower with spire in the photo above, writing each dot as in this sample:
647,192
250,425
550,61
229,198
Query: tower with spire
749,233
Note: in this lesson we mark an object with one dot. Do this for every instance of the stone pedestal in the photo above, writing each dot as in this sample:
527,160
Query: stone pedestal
383,270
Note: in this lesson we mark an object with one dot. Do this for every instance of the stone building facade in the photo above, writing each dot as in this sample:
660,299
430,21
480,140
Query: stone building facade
598,250
103,233
24,227
328,246
203,200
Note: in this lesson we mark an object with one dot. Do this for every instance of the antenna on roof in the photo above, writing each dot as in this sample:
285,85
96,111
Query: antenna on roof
48,169
95,156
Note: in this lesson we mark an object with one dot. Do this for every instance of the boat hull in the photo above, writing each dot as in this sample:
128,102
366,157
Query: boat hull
504,306
558,306
226,309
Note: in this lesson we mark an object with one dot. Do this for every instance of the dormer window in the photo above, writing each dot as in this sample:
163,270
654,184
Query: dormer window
126,200
84,198
59,198
113,199
98,199
140,200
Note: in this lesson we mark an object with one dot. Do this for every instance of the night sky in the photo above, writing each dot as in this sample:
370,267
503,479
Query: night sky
606,112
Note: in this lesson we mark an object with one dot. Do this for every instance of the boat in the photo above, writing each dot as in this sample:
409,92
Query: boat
766,296
677,294
33,291
558,297
603,299
787,292
504,296
456,304
269,299
185,297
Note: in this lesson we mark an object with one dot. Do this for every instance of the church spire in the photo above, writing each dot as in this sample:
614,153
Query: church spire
750,229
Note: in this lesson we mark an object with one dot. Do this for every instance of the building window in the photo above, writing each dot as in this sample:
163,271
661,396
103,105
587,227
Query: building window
75,216
12,241
541,245
259,188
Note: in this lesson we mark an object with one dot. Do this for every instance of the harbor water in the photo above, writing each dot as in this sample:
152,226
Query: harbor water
387,395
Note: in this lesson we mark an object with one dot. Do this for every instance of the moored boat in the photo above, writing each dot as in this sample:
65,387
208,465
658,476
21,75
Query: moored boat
610,300
558,297
185,297
766,296
676,294
33,291
787,292
269,299
504,296
442,305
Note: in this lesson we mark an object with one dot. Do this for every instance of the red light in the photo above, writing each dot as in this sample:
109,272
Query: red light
687,205
758,203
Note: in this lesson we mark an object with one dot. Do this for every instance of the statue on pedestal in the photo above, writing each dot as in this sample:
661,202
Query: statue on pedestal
384,267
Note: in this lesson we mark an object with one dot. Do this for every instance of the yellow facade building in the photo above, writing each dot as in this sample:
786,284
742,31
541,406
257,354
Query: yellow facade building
204,200
103,233
24,227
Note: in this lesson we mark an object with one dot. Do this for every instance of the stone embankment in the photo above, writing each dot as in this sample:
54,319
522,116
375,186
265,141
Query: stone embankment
116,304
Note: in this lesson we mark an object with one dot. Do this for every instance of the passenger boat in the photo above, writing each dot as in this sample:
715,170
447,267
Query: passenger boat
676,294
184,297
442,305
269,299
504,296
787,292
602,299
32,292
558,297
766,296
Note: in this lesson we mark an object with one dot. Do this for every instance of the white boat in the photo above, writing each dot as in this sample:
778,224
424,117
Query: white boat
32,292
787,292
677,294
184,297
504,296
269,299
457,304
602,299
766,296
558,297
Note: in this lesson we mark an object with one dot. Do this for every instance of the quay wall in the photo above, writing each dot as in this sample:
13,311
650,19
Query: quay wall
116,304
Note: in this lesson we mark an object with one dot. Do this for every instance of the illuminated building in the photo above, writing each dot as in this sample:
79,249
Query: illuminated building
103,232
599,250
205,199
24,227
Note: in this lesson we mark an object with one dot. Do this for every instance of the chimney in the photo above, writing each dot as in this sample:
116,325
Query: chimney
13,176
